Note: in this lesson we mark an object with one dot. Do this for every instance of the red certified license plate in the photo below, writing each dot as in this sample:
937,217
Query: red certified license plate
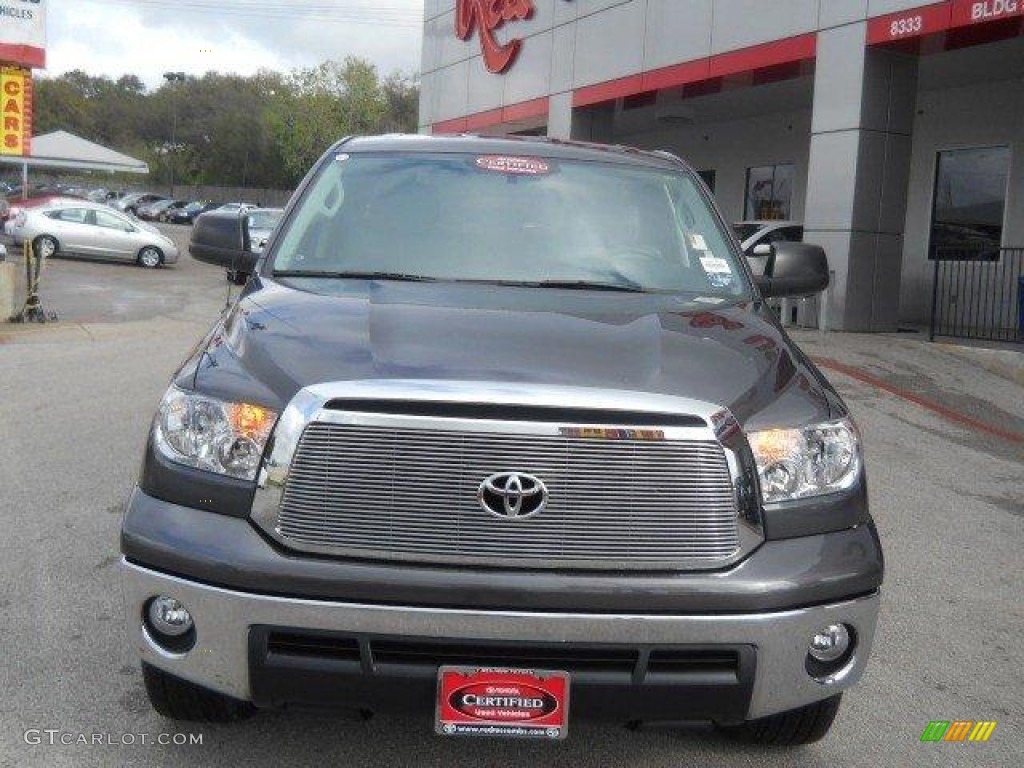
502,702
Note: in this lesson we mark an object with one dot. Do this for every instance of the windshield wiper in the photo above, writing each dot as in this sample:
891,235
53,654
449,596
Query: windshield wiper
575,285
355,275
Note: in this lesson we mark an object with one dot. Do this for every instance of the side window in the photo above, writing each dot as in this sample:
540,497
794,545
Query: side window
777,235
969,203
73,215
109,221
767,239
769,192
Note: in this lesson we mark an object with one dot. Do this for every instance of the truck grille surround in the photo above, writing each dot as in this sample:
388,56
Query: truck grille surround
410,493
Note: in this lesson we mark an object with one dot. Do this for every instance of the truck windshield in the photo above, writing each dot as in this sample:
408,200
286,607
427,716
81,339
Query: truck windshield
509,220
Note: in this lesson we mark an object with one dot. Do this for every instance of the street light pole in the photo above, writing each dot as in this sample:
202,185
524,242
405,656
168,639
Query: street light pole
172,77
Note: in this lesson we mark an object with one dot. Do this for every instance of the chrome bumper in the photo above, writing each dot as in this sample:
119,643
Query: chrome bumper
220,659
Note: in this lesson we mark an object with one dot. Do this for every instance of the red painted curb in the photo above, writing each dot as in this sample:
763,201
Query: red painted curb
941,410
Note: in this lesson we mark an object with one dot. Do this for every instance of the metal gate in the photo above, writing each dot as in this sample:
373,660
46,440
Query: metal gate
978,293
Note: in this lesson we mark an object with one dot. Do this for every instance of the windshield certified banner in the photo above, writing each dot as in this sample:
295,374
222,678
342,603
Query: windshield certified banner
23,32
15,111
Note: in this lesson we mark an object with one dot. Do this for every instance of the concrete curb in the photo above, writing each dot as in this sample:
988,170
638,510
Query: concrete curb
61,331
30,333
8,279
1006,363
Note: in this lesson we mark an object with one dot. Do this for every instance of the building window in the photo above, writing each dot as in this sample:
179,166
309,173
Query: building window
640,100
969,203
709,179
769,192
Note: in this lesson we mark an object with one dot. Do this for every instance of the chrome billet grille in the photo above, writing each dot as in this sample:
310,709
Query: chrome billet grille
383,492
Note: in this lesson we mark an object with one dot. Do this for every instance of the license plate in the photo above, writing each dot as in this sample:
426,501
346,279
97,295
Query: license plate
515,703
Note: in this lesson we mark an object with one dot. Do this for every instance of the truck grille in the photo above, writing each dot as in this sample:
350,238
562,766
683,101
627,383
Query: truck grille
723,665
381,492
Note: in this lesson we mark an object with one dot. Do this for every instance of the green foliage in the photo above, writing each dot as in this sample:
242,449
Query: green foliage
320,105
260,131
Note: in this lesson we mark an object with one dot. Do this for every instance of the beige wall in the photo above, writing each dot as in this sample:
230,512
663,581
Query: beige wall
730,147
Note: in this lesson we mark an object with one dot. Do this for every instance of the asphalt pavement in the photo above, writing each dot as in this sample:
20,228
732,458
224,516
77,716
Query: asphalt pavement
76,399
84,291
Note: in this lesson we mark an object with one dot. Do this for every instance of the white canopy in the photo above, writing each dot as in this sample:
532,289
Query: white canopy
61,149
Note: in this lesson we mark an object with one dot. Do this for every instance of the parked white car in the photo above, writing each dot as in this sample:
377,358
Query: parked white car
756,238
237,206
88,229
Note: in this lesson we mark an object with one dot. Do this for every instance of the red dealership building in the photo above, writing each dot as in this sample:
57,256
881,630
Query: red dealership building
893,131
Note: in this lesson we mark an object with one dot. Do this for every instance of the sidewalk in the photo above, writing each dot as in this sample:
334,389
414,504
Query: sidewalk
1008,363
980,389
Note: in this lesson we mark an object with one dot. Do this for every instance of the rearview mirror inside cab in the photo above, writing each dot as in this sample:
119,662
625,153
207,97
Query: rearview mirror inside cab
794,270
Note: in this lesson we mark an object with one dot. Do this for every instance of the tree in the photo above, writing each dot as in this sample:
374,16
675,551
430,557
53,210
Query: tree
59,105
325,103
261,131
402,96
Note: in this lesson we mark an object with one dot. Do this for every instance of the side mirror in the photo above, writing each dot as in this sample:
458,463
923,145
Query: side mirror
794,270
762,249
222,238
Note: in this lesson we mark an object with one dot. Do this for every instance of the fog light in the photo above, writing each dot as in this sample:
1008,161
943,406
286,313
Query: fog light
169,617
830,644
169,624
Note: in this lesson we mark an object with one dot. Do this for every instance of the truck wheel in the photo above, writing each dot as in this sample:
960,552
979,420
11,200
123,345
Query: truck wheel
181,700
788,729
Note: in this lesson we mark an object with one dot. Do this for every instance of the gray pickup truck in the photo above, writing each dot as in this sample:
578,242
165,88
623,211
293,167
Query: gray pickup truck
500,430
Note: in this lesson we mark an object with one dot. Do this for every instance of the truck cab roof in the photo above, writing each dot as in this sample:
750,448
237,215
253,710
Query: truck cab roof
537,146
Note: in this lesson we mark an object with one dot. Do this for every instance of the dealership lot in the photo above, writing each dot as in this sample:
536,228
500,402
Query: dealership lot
76,402
83,291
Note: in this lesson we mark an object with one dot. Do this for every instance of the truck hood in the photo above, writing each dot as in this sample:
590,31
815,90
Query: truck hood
283,336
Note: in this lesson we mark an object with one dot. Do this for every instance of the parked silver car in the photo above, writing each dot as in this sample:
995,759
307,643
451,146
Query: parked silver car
262,222
88,229
237,206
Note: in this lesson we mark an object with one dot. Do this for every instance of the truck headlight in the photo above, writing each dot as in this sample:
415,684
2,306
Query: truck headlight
812,461
213,435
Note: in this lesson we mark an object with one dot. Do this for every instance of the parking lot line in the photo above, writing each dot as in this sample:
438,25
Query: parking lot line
941,410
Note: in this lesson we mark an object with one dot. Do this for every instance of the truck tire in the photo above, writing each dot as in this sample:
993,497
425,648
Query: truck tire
788,729
181,700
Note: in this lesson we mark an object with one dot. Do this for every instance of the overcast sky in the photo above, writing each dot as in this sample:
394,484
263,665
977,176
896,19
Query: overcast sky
150,37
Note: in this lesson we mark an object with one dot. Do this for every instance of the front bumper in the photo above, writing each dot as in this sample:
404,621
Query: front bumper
226,620
171,254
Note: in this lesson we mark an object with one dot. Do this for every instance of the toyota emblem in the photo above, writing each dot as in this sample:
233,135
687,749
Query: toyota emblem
513,495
